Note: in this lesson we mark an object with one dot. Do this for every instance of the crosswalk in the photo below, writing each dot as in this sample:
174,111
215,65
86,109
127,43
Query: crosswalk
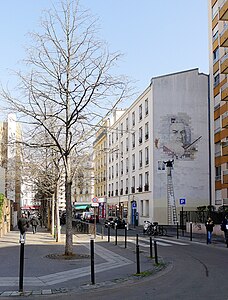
165,242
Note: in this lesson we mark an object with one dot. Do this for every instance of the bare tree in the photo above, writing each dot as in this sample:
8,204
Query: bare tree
68,83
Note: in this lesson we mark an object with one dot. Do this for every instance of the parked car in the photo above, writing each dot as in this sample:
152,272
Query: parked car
109,222
89,217
120,223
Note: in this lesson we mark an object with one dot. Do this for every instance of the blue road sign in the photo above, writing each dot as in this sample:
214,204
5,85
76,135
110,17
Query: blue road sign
182,201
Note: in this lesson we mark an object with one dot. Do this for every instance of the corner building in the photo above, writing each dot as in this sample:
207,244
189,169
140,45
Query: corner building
218,51
166,125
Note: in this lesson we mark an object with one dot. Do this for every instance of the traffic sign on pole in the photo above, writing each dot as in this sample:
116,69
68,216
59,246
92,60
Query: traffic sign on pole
182,201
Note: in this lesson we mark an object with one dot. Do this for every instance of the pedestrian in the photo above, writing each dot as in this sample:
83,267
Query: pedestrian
40,219
209,227
34,222
224,228
23,225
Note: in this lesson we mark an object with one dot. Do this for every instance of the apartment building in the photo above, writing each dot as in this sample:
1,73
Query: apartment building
218,51
158,151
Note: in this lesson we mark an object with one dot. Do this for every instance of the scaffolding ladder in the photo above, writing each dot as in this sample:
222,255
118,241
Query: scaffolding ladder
172,211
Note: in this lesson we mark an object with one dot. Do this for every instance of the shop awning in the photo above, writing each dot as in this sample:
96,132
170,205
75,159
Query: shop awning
81,206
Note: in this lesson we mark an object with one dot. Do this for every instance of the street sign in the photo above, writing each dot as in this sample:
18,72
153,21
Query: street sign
95,200
182,201
134,204
95,204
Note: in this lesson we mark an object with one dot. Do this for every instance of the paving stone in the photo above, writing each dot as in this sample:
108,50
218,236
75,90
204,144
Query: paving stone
36,292
6,293
46,292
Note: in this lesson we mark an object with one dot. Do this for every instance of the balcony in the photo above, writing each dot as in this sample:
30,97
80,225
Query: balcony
224,64
224,92
146,187
126,191
224,37
139,189
225,148
225,120
223,11
133,190
225,176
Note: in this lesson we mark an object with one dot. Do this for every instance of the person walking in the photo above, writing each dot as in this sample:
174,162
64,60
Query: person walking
224,228
34,222
23,225
209,227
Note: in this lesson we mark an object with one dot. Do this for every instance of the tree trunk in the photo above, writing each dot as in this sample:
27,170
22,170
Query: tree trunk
69,235
53,215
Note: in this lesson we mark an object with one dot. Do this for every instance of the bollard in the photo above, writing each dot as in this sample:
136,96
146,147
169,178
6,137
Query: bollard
92,261
151,247
108,232
102,232
156,252
21,272
116,234
125,236
190,231
137,255
177,231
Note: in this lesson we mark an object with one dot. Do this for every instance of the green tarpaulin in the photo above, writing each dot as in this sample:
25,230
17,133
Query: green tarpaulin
81,206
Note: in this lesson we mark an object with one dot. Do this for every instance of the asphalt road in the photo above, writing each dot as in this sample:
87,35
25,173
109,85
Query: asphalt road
196,271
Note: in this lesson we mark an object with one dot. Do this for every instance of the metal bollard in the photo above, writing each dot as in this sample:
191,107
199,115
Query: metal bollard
151,247
108,232
92,261
177,231
137,255
190,231
125,236
116,234
155,251
21,272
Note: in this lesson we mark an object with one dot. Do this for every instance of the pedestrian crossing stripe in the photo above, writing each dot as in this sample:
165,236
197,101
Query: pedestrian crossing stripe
165,243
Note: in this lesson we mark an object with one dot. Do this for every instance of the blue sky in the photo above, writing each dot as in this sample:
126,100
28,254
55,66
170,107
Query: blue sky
157,37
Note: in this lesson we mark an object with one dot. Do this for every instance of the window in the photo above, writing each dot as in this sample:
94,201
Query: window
146,107
112,172
133,118
217,125
121,148
112,137
146,131
216,80
126,191
217,149
218,197
140,158
133,162
121,129
140,183
133,184
121,167
117,136
127,124
116,189
147,155
127,161
109,139
216,55
117,170
133,140
127,144
218,173
140,112
146,187
121,187
109,173
140,135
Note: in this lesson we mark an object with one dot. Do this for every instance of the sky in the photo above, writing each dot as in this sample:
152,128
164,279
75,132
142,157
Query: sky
156,37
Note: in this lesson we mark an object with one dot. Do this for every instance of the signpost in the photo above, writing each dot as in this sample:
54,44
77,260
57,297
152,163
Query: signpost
182,202
95,204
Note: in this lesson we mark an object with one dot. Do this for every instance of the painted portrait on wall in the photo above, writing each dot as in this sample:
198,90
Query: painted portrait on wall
176,138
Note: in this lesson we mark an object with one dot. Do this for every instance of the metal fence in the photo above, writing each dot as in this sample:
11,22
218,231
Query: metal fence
202,216
79,226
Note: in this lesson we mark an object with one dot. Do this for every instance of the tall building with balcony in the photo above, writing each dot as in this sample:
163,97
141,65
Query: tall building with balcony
218,51
158,151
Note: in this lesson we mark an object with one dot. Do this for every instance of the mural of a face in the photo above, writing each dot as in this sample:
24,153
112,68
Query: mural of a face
177,133
176,137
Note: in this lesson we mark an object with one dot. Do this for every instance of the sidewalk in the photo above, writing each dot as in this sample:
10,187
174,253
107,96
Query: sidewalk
44,275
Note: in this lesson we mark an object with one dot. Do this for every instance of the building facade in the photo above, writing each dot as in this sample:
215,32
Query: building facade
158,151
218,43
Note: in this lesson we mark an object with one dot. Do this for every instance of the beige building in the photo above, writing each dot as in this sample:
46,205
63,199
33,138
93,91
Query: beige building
218,51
